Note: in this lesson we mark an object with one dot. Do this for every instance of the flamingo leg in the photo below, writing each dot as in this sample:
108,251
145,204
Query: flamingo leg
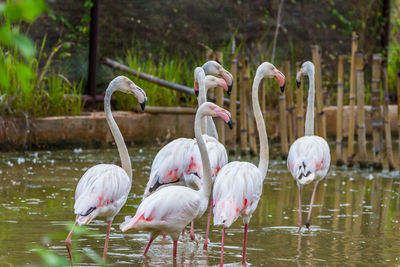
106,242
192,231
311,204
148,246
175,249
183,232
68,242
244,244
208,225
222,247
300,217
163,236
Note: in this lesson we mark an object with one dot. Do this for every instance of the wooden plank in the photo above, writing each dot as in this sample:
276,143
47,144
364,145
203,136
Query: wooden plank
361,136
377,122
316,58
352,100
233,107
339,115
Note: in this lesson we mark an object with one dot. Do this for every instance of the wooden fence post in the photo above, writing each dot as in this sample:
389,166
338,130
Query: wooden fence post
386,118
220,125
249,111
283,126
243,117
299,106
289,101
352,100
362,146
210,55
316,58
339,114
377,123
398,111
233,107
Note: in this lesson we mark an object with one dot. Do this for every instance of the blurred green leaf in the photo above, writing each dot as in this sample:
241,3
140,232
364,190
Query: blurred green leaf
26,10
24,75
50,258
4,78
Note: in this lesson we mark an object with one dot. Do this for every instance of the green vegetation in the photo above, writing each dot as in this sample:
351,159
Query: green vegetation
171,69
26,89
52,259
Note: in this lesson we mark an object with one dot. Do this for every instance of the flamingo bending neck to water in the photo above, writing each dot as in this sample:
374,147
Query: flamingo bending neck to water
238,186
309,156
171,208
104,188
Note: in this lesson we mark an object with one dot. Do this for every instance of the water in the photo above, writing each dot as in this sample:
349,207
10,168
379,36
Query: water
356,217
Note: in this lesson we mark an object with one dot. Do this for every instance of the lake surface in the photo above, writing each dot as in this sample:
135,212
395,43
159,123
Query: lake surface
355,221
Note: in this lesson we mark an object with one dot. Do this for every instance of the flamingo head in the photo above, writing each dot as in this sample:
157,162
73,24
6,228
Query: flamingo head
306,67
212,82
212,67
126,86
267,70
211,109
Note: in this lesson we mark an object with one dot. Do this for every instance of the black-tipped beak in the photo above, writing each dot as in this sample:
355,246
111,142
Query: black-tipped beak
283,88
298,84
196,92
230,89
230,123
143,105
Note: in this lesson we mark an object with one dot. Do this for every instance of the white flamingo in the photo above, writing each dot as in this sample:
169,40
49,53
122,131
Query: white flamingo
309,157
171,208
238,186
104,188
179,161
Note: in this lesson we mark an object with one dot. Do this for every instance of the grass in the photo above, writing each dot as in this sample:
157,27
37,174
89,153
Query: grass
43,92
171,69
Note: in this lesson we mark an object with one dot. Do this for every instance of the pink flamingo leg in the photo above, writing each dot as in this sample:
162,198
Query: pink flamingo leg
163,236
175,249
311,204
300,217
148,246
106,242
208,225
68,243
244,244
192,231
222,247
183,232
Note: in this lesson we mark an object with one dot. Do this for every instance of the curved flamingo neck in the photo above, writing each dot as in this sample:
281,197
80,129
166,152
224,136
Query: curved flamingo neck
119,140
309,127
264,149
202,98
206,187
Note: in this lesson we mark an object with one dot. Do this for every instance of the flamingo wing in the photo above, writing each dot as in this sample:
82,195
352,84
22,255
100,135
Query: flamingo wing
102,191
309,159
168,167
194,170
168,210
237,190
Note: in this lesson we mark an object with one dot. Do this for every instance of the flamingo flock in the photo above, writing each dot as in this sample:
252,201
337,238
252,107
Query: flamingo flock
190,175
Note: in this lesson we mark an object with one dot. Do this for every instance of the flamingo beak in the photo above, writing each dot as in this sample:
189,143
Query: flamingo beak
230,123
143,104
298,79
228,79
196,88
280,79
222,83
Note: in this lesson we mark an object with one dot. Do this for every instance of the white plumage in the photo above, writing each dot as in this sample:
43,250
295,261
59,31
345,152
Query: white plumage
102,191
236,192
309,159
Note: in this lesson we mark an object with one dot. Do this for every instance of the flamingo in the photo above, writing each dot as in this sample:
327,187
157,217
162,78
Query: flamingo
103,189
309,156
238,185
171,208
179,161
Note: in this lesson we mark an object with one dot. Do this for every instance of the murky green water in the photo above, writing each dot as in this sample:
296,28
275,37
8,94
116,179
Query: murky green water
356,218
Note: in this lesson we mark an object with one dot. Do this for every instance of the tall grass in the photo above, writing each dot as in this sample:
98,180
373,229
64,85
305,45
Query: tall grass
44,93
172,69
